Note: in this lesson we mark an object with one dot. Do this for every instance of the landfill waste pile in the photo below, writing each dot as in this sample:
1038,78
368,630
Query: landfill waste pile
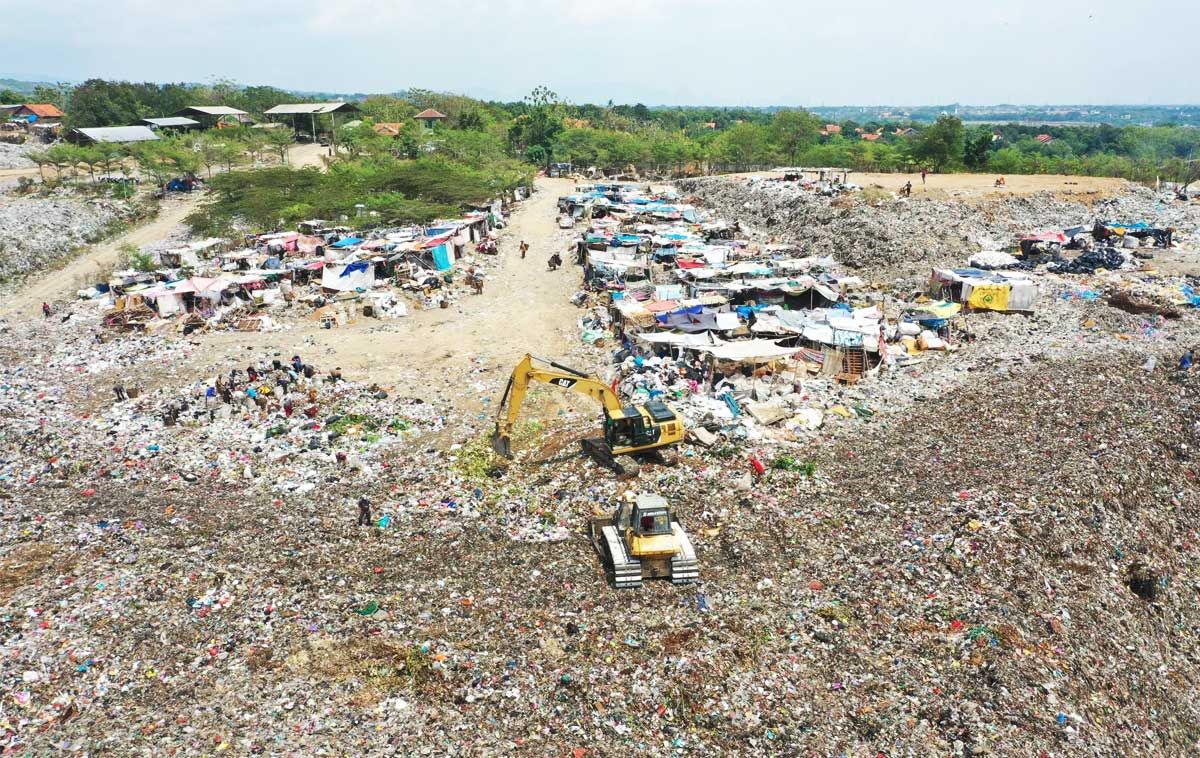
16,156
36,232
978,542
908,234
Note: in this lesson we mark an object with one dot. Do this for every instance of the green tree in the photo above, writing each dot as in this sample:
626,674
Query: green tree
58,95
469,119
792,131
63,155
280,140
388,109
537,155
165,160
975,154
540,125
744,144
941,145
42,159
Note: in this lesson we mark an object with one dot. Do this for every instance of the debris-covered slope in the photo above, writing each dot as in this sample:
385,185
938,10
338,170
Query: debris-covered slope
909,234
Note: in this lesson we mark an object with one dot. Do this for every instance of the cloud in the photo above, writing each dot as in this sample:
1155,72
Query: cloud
653,51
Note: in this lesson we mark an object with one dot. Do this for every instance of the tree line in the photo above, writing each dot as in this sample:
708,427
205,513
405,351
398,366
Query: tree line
543,128
100,102
166,158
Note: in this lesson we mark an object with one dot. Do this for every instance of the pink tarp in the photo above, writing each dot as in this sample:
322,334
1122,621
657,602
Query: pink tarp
1045,237
197,284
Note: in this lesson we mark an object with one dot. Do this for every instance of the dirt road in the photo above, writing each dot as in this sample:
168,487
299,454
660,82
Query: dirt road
970,185
13,173
62,282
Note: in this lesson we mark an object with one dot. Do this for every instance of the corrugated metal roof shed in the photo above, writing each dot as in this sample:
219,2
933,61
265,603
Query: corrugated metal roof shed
209,110
172,121
288,109
119,134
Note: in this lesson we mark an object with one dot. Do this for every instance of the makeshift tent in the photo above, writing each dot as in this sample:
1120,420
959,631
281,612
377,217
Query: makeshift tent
748,350
986,290
344,277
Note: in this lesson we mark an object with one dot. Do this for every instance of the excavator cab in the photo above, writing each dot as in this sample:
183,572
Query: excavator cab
628,430
636,427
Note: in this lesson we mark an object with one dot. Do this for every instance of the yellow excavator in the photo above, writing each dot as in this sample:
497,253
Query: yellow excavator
629,430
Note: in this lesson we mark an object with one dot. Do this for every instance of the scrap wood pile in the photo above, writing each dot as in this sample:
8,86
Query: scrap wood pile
132,317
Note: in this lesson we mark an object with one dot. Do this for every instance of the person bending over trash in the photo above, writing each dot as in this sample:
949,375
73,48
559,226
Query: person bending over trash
1186,361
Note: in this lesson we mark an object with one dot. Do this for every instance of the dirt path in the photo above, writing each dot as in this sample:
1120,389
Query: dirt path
974,185
13,173
524,308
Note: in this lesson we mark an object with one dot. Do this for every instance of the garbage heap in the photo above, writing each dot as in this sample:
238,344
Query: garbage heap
907,234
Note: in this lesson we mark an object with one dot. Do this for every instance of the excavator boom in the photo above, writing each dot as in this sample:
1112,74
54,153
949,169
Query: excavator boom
559,376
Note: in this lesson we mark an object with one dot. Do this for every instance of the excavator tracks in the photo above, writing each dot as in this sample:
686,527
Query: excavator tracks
600,452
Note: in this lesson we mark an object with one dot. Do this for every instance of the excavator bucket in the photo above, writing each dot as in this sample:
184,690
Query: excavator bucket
501,443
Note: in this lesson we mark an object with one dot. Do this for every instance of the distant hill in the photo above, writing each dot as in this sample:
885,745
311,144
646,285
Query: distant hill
20,85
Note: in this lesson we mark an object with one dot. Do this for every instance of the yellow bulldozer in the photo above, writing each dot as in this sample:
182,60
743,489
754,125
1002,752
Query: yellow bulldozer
642,539
629,430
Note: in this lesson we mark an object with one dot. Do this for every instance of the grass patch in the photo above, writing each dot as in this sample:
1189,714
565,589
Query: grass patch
374,666
788,463
875,195
30,562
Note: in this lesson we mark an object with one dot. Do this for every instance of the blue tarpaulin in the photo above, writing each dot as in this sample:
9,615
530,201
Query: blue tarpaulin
347,242
441,257
744,311
353,267
693,310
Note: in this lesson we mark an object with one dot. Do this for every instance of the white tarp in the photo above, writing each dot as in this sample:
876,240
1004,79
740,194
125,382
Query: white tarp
331,277
697,340
749,349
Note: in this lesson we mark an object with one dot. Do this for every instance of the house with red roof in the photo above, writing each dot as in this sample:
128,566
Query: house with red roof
429,117
37,112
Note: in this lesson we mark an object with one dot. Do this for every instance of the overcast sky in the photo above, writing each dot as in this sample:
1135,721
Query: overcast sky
727,52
